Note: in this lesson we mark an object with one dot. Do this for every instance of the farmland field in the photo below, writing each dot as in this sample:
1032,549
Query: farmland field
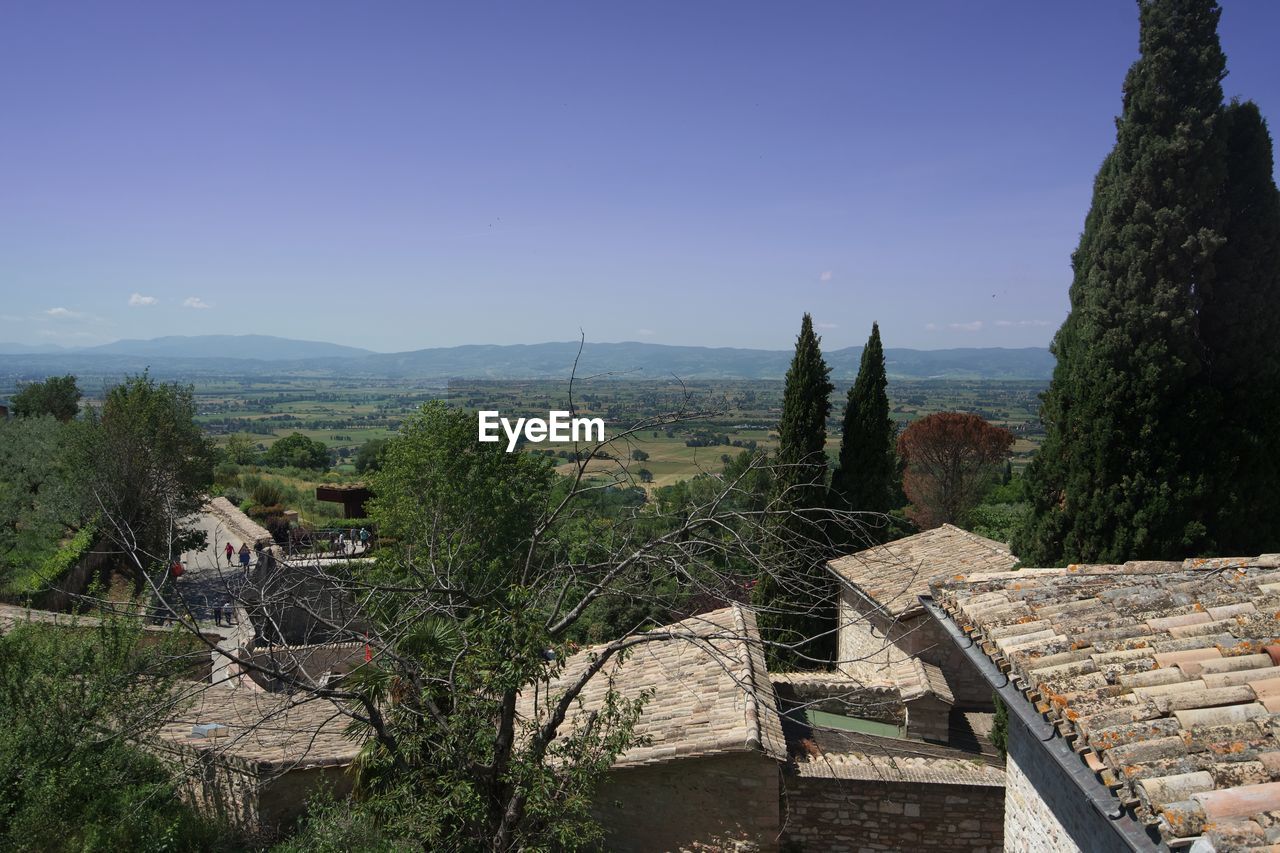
736,413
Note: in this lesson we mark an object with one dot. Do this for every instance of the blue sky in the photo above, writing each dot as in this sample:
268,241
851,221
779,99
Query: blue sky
406,175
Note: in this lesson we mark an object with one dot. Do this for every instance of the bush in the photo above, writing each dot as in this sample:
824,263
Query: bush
267,493
66,786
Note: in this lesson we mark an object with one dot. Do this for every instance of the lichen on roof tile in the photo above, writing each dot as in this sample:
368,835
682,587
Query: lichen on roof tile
1168,682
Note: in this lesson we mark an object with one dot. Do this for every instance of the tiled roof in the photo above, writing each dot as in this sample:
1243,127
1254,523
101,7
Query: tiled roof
1164,677
915,679
896,574
884,767
813,680
711,693
265,732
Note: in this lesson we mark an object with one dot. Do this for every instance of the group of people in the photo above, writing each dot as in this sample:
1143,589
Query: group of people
245,553
353,537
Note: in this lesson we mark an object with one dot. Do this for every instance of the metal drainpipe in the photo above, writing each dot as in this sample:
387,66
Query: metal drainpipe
1132,831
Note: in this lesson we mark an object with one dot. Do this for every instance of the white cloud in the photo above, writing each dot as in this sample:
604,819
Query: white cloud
825,275
63,313
645,333
1007,323
931,327
138,300
195,302
973,326
826,326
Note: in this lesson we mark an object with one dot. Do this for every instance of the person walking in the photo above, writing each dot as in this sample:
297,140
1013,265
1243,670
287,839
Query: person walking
230,550
229,613
364,539
217,614
244,555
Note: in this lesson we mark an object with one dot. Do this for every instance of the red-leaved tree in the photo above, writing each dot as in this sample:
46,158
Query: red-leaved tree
951,459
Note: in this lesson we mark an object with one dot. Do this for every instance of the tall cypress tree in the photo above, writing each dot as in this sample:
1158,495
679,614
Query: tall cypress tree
1238,323
1124,470
865,478
796,596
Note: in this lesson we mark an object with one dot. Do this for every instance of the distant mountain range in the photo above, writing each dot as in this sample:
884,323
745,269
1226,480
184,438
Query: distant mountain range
264,355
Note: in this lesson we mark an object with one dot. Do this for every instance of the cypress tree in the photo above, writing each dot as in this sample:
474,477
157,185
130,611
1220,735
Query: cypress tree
864,479
1238,321
795,596
1124,470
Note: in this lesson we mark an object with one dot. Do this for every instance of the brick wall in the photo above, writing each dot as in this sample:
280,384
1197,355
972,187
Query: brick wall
854,816
725,803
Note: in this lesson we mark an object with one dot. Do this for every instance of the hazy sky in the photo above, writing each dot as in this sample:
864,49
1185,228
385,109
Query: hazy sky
406,175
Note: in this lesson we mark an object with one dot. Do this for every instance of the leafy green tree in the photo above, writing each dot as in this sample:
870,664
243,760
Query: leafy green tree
39,500
297,451
1123,472
143,465
369,456
797,611
452,766
58,396
241,449
1238,317
999,735
866,476
73,705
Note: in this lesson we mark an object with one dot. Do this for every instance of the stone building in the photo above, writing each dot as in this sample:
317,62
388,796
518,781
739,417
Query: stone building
253,758
725,761
888,643
734,764
708,775
1144,700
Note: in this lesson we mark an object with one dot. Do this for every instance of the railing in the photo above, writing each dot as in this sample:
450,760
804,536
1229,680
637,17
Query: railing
329,542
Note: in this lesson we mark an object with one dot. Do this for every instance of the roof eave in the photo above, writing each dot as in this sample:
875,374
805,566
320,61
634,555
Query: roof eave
1132,831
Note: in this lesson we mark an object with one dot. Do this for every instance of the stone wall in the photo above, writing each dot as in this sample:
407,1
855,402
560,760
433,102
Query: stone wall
862,647
917,634
1046,811
1029,823
922,636
854,816
928,718
727,802
256,806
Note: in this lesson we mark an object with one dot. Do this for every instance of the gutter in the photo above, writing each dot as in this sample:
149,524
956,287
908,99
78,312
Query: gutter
1131,831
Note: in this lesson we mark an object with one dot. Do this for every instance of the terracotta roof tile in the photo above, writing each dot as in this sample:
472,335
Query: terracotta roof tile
1167,680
